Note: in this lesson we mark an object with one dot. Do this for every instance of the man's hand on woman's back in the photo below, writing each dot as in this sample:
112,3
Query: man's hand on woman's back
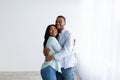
46,51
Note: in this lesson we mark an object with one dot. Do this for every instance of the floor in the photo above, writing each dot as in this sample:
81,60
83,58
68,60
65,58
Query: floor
20,75
31,75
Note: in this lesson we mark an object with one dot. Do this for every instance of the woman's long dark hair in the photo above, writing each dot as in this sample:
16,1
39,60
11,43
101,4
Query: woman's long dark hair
47,34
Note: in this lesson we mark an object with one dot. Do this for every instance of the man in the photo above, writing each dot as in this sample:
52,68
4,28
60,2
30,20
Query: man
66,54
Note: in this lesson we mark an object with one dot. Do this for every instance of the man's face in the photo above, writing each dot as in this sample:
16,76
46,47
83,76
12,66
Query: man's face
60,23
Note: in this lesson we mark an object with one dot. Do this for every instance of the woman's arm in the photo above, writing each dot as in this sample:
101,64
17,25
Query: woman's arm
54,44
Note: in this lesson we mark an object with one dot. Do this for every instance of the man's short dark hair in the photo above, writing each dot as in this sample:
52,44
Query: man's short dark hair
60,16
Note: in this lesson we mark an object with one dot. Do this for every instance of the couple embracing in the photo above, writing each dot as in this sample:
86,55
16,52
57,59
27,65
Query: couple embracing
59,52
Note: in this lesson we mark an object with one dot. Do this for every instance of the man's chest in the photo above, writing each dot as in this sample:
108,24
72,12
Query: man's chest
62,40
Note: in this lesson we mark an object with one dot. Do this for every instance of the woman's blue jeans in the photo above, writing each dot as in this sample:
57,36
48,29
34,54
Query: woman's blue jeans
49,73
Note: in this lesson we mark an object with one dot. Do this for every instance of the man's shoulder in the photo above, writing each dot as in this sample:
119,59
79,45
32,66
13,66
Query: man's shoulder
67,31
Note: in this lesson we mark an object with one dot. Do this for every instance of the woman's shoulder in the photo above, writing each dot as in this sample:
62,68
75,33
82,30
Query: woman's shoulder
52,39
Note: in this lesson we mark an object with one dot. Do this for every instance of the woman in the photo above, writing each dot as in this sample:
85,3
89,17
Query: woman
51,68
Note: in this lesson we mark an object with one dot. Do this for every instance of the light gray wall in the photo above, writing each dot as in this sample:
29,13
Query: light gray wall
22,27
95,24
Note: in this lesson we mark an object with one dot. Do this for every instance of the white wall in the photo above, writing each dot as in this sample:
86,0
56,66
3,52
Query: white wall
95,23
22,27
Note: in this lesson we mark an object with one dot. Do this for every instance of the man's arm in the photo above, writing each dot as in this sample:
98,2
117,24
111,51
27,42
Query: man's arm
46,51
67,48
49,58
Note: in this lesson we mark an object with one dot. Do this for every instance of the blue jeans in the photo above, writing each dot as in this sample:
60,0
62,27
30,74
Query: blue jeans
49,73
68,74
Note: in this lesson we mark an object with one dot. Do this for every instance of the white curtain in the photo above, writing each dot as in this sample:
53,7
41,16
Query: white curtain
98,45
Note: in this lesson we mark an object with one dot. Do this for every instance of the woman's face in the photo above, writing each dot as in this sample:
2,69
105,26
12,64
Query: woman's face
53,31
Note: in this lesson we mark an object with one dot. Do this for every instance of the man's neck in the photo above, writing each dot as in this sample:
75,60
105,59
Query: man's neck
60,30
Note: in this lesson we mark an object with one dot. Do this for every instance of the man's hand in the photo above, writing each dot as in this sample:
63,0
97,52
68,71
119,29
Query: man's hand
49,58
46,51
74,42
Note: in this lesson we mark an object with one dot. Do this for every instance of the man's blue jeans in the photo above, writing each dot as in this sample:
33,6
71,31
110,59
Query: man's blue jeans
68,74
48,73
